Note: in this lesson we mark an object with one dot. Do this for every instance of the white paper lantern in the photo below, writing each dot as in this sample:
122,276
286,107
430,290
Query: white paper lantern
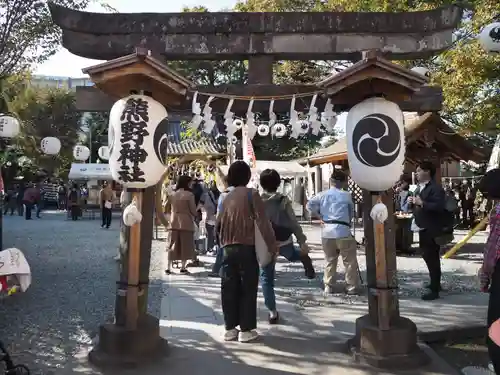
303,126
238,124
263,130
489,38
9,126
139,139
81,153
50,145
375,143
422,70
103,152
279,130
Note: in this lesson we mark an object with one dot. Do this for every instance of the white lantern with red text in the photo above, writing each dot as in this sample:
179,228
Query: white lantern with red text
9,126
375,144
50,145
81,153
138,140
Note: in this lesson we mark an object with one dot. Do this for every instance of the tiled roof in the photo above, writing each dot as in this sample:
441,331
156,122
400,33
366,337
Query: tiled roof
178,145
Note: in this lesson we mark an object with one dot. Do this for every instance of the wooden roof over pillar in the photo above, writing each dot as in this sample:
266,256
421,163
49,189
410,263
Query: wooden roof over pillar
374,75
140,72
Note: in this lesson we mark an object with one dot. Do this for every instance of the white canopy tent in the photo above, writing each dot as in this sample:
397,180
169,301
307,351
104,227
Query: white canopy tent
93,171
286,169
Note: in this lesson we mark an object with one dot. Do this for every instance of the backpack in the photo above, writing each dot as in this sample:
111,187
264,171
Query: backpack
278,216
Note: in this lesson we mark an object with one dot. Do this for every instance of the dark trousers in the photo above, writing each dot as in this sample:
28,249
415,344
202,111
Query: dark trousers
240,280
493,315
106,217
39,208
430,253
75,212
20,208
9,206
210,231
29,208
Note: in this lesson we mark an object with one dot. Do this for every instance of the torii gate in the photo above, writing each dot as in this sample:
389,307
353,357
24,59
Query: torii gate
383,337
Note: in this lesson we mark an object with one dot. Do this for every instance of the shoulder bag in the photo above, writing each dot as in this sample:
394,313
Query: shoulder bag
264,257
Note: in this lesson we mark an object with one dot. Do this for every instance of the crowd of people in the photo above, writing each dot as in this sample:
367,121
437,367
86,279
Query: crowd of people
26,198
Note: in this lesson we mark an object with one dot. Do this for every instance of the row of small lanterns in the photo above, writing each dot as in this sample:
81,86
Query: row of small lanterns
10,127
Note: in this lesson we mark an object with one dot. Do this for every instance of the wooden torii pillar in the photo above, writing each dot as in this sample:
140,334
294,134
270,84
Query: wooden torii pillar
134,336
383,338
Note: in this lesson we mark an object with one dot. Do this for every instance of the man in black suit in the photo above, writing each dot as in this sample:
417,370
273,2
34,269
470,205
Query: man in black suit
429,220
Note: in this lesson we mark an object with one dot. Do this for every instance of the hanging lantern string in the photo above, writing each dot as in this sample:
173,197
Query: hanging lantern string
261,98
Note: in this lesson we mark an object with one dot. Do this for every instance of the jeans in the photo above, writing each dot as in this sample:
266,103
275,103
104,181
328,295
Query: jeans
289,252
430,255
106,217
39,208
493,315
75,212
219,257
210,239
239,284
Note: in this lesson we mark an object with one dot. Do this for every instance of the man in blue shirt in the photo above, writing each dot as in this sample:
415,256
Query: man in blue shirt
335,209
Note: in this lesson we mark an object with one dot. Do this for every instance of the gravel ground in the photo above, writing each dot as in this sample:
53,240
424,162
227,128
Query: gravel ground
459,274
73,287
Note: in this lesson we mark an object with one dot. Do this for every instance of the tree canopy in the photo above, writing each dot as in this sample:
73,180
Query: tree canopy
27,34
44,112
469,76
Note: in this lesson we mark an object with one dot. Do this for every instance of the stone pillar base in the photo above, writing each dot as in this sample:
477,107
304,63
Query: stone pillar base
392,349
123,348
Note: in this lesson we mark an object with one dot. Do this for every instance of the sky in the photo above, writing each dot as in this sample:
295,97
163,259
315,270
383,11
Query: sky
66,64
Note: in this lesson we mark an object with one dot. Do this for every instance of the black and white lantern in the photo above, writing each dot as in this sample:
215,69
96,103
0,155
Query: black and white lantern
138,141
50,145
81,153
375,143
9,126
489,38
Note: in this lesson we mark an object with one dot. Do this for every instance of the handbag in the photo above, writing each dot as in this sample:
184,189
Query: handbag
264,257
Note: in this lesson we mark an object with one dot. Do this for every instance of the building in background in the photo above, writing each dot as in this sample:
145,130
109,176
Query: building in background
69,83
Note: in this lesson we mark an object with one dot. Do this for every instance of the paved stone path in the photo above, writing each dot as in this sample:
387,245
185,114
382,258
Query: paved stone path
51,326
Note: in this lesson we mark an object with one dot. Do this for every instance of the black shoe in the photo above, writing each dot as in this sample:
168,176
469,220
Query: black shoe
168,272
430,296
428,286
184,271
274,319
308,266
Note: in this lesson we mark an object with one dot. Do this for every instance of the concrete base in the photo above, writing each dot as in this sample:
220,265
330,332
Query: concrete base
123,348
393,349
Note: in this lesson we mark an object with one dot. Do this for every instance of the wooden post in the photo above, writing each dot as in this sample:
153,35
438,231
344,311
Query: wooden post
133,269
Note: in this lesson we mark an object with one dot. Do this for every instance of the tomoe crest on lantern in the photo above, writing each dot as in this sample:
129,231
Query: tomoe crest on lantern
489,38
138,141
375,143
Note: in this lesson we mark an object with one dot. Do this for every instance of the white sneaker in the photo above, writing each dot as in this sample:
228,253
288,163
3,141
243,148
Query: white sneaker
231,335
247,336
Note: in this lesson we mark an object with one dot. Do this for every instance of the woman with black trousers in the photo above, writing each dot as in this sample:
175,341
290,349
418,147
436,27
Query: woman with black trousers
490,270
240,211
